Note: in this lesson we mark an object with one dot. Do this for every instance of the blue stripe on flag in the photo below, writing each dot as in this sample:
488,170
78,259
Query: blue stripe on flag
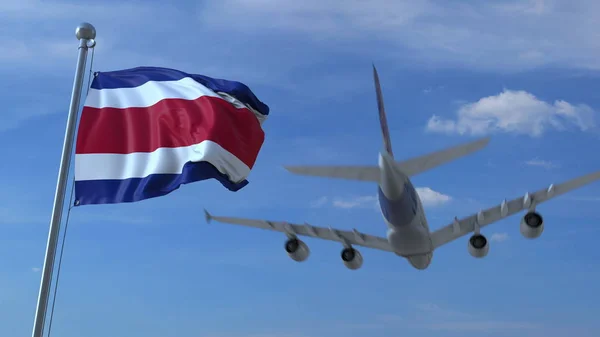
131,78
156,185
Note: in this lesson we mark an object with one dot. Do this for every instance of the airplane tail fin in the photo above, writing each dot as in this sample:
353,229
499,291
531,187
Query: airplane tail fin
410,167
385,132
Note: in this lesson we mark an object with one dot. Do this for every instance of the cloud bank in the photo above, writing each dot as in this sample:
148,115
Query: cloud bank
517,112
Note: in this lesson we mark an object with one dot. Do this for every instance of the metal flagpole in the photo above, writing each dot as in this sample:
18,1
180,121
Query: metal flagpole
85,33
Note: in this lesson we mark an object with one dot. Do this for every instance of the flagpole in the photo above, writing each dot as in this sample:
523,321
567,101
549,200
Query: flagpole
85,33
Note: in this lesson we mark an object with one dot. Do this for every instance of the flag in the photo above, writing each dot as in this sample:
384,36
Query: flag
145,131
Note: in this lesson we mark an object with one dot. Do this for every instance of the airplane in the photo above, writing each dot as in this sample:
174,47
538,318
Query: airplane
408,233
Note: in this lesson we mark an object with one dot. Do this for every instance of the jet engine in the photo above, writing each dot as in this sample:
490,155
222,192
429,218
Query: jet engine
532,225
297,249
478,246
352,258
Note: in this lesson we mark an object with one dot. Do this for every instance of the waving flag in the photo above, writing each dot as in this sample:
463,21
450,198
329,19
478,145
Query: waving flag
146,131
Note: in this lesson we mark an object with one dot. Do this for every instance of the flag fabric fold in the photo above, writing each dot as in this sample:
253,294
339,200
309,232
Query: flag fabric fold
145,131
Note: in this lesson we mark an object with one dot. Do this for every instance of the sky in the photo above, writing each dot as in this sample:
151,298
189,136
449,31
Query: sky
526,73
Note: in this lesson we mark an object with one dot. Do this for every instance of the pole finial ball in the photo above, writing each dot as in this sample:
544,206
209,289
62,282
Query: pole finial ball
85,31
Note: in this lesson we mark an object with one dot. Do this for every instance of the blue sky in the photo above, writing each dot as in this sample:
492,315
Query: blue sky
525,72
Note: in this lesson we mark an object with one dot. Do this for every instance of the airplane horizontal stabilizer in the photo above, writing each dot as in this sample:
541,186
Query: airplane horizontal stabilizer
414,166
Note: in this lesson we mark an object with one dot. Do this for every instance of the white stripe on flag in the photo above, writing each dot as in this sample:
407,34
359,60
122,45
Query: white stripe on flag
162,161
147,94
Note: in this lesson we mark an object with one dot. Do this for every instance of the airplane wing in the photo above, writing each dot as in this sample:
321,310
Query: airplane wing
345,237
483,218
410,167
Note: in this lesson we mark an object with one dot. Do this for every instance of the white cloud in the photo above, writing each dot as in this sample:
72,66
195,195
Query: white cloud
482,326
319,202
430,197
474,34
137,40
429,90
366,201
499,237
355,202
428,307
36,269
541,163
585,198
438,318
57,41
515,112
38,48
437,33
39,54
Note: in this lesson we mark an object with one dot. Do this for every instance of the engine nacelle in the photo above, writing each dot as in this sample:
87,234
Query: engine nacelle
352,258
478,246
297,249
532,225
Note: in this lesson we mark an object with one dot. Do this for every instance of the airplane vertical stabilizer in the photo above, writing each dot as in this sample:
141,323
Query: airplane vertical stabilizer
385,132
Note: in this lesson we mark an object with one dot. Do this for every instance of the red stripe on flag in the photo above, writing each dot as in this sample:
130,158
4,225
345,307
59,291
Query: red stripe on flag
171,123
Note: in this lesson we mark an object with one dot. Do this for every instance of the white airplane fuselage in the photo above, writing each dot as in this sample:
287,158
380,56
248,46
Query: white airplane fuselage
402,211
